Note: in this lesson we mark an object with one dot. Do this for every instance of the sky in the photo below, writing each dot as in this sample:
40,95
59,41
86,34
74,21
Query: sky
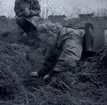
68,7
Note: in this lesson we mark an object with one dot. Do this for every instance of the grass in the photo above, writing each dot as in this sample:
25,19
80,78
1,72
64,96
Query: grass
18,60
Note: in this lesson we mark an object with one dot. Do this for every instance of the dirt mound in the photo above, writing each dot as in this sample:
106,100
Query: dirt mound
14,66
84,85
88,82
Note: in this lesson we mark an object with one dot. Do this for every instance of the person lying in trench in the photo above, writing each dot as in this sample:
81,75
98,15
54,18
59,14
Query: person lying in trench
67,48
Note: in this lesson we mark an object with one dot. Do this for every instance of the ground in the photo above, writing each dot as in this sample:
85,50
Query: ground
84,85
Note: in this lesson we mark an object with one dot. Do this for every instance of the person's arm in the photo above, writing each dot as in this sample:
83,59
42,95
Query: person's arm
17,8
35,8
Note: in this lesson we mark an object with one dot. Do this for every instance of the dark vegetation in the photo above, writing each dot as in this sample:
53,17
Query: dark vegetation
84,85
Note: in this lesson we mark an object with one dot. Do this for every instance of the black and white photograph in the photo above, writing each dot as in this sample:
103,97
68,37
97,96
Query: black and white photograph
53,52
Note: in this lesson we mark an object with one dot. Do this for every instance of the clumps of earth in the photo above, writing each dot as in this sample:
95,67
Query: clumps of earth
84,85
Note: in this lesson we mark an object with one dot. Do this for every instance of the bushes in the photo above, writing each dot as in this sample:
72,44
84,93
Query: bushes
86,85
13,66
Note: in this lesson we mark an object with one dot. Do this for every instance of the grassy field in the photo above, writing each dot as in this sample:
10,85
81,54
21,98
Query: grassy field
86,86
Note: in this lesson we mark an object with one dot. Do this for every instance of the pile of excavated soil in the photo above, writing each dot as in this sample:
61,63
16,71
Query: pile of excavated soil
16,63
14,67
88,82
86,85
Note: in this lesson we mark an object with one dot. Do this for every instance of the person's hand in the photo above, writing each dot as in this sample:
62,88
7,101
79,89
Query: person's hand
35,74
47,77
22,14
27,12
